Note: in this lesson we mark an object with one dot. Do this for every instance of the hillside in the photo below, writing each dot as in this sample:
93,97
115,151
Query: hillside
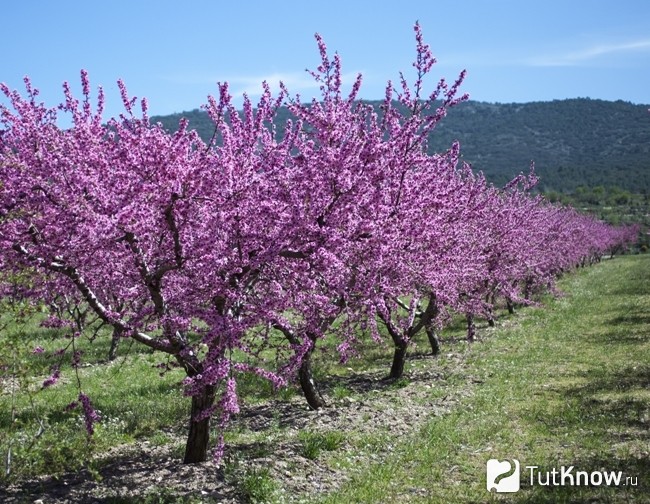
577,142
573,143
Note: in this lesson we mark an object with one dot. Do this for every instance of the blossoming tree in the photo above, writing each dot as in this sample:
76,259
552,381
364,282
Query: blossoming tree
336,223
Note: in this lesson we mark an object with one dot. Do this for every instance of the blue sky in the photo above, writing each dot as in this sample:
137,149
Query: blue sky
174,52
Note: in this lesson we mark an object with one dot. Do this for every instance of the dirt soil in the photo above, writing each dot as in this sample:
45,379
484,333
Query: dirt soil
373,416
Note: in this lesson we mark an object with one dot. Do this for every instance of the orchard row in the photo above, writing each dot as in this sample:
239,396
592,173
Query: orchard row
256,247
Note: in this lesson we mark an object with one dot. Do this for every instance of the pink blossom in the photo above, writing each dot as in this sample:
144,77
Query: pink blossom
90,415
270,239
52,379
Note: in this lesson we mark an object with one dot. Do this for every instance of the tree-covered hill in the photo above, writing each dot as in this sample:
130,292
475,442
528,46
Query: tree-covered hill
573,143
576,142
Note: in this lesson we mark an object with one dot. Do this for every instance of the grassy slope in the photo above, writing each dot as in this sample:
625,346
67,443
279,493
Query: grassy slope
568,385
562,384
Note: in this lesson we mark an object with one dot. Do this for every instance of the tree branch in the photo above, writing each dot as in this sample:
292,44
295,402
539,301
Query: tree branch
178,247
59,266
151,281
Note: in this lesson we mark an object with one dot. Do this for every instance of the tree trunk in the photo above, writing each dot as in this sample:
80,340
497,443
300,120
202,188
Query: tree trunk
471,328
305,375
433,341
490,299
307,383
490,316
79,318
399,358
198,438
115,342
528,288
511,307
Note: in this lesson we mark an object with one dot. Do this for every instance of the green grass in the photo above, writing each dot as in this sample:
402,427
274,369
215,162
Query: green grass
313,443
257,485
567,384
132,398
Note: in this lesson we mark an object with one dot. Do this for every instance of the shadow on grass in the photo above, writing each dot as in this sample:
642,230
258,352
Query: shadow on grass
612,404
631,319
151,476
379,381
628,378
633,463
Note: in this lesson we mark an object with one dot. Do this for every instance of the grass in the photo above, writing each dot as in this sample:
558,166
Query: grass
313,443
567,383
130,395
257,485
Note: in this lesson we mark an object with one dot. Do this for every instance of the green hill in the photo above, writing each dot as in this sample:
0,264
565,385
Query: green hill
576,142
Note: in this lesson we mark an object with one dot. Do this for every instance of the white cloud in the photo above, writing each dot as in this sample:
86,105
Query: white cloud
252,86
575,58
295,82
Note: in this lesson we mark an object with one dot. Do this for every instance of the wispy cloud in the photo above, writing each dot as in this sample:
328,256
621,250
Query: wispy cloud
252,85
575,58
296,82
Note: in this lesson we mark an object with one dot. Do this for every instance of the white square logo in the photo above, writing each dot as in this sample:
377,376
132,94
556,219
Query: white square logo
503,476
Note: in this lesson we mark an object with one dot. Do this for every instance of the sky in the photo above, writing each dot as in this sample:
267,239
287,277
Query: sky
173,53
